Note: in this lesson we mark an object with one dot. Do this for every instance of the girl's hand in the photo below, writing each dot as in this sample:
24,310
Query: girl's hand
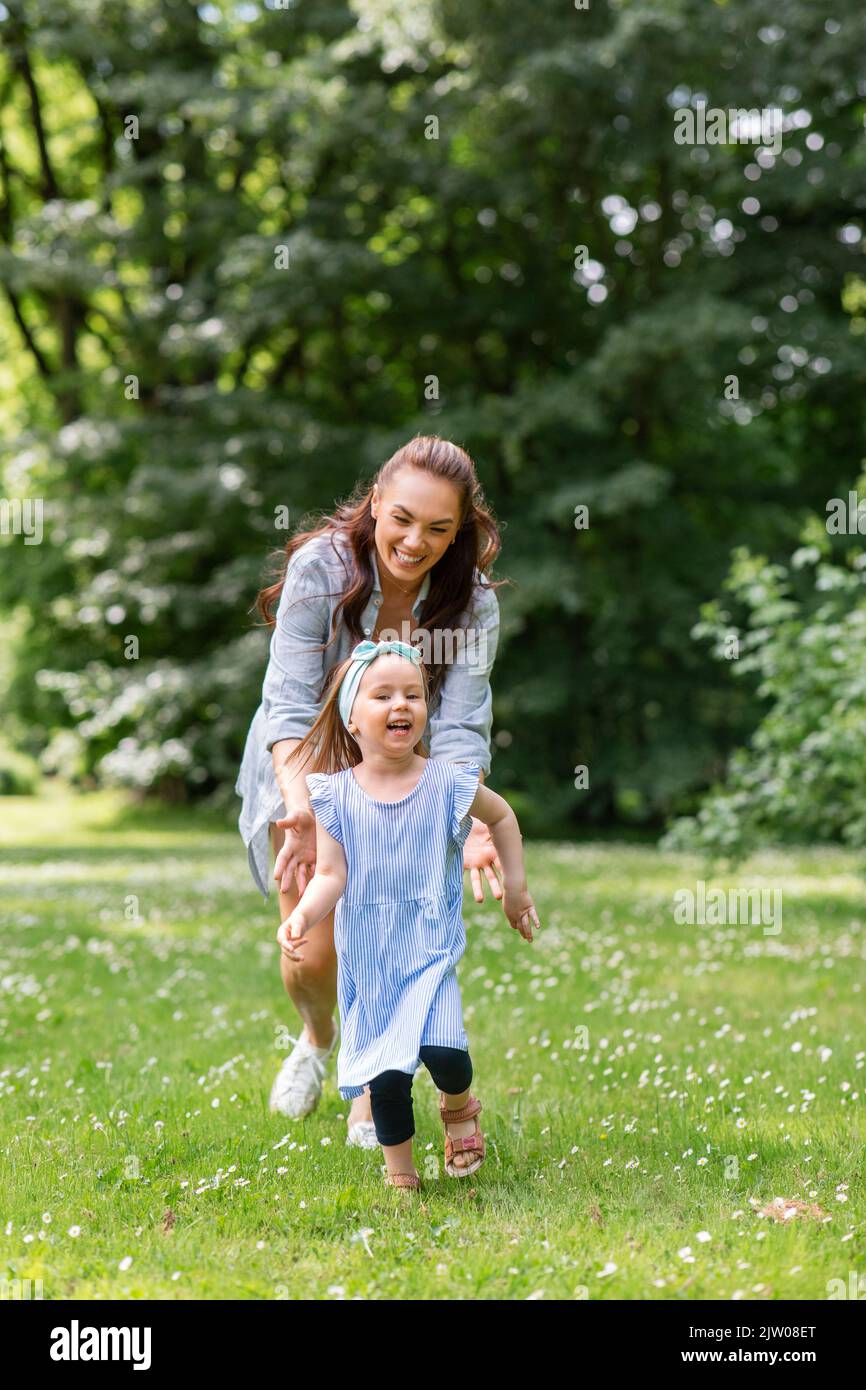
520,911
297,858
479,852
290,935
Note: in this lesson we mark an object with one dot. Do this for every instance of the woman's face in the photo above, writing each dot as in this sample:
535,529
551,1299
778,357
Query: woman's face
417,517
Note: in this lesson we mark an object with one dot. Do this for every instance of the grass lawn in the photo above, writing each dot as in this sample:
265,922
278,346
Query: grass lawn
142,1020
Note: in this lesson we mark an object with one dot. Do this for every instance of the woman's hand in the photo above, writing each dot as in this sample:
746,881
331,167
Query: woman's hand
520,911
479,852
298,854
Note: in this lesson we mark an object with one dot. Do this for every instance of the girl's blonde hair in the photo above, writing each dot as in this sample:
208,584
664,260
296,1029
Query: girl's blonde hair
329,747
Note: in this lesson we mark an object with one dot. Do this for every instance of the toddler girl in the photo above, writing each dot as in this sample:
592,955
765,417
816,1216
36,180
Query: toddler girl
390,828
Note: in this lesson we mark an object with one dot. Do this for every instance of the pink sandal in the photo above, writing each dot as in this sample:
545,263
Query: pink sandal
408,1180
473,1143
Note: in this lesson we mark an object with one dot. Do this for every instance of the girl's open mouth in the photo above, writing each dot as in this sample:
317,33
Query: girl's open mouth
399,726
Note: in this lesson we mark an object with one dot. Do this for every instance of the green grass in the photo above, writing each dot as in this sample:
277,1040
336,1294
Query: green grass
136,1060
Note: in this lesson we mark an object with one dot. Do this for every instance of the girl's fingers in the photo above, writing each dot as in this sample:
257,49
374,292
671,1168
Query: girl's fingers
477,890
289,946
529,919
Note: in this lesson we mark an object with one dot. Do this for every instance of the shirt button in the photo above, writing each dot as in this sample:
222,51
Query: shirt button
377,602
366,632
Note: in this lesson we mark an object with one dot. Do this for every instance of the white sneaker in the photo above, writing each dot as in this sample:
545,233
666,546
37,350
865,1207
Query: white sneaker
362,1135
298,1084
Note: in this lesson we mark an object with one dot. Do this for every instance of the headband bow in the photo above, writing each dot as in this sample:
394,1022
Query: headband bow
364,653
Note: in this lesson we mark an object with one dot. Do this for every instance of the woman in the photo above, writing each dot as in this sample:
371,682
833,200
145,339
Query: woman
402,560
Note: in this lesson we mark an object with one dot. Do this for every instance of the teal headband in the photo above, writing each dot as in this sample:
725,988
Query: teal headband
364,653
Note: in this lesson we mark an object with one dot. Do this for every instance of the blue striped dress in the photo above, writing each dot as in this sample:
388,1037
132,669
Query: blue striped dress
398,928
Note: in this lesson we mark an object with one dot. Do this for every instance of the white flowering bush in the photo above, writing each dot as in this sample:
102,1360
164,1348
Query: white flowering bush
162,726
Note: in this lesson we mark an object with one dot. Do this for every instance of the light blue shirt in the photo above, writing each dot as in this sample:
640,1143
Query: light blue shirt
459,719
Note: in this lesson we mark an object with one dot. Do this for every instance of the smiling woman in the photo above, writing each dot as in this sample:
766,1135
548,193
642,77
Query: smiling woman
407,554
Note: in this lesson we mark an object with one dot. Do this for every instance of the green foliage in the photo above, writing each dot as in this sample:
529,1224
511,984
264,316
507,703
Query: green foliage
19,775
145,1020
803,774
166,387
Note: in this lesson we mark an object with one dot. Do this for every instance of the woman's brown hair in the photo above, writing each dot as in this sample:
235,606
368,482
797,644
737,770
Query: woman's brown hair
452,578
328,746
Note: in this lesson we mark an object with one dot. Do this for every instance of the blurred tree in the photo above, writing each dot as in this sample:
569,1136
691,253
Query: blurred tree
329,227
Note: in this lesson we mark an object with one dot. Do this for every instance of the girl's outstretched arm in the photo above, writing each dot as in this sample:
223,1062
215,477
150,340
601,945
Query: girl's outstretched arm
501,821
320,896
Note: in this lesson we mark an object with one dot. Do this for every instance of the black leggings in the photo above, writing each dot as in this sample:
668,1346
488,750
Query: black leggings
391,1091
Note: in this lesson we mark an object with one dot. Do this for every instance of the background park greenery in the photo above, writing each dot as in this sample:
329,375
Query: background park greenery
671,1110
431,170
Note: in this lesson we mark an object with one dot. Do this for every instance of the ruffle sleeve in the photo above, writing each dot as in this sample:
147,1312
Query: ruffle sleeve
465,787
321,788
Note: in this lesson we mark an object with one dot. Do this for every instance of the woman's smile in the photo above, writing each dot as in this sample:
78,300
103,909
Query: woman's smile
404,559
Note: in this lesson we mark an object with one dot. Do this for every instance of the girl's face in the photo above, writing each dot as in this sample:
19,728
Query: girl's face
389,712
417,517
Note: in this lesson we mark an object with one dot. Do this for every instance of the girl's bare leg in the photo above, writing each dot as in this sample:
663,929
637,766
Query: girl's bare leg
398,1157
311,984
459,1129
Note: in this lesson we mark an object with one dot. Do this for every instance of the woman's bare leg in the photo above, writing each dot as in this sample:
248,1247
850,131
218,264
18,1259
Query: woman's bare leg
311,984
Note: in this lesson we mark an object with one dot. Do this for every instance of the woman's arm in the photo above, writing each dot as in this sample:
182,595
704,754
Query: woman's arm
297,855
291,698
460,728
291,692
290,776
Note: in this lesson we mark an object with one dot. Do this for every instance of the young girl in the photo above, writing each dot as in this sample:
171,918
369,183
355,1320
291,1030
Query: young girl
390,827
